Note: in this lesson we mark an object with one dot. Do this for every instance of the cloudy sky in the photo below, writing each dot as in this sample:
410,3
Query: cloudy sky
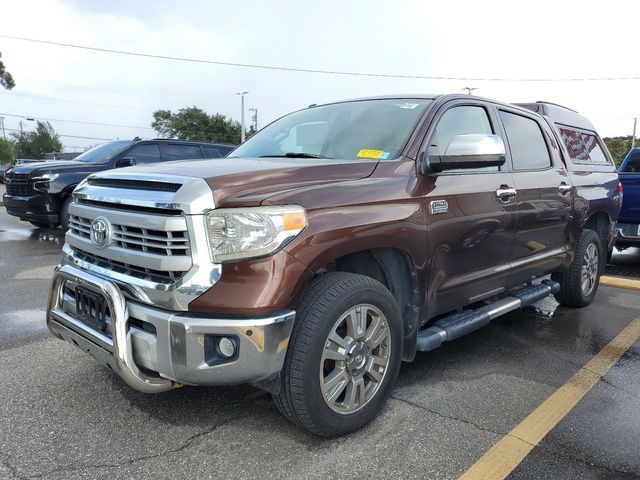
489,39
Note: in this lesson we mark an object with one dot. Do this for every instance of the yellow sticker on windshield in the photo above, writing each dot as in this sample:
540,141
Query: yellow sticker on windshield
368,153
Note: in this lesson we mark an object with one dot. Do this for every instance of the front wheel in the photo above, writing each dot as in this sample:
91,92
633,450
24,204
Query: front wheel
578,286
343,357
64,213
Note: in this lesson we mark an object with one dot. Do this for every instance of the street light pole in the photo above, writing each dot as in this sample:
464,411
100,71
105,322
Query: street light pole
242,94
4,134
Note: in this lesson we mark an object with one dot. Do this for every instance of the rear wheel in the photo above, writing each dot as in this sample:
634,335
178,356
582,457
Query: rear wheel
578,286
343,357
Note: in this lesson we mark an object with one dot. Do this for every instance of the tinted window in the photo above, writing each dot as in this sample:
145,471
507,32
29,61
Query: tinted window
103,153
459,121
212,152
633,165
528,148
582,146
145,153
174,151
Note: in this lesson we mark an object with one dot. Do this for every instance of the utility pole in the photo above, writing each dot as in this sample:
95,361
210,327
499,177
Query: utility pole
29,119
242,94
469,89
633,137
255,118
4,134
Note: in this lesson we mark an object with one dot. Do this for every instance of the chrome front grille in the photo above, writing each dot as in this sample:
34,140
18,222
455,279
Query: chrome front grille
142,273
19,184
136,238
147,247
152,240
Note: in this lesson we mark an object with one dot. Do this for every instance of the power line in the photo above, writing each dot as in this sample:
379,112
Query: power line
38,117
308,70
114,92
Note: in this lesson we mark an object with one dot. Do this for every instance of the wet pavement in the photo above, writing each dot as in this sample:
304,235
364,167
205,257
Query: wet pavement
63,416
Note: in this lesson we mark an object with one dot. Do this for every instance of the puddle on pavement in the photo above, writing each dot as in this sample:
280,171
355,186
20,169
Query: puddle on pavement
29,317
56,238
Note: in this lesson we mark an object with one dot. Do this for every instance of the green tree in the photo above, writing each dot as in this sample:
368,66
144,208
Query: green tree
6,151
193,123
35,144
6,80
618,147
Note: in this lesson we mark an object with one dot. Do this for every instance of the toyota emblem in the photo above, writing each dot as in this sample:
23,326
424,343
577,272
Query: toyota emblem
101,232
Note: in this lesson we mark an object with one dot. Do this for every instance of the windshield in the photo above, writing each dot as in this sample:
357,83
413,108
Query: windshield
103,153
363,129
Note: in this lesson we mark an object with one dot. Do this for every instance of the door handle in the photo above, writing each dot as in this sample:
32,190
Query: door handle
563,188
505,193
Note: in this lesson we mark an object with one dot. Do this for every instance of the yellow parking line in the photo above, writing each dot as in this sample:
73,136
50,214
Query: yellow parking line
620,282
512,449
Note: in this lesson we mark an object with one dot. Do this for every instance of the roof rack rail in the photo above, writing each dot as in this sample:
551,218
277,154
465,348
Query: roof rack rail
557,105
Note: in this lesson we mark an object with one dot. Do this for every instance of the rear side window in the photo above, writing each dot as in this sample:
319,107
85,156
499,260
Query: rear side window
633,165
212,152
528,148
145,153
175,151
583,146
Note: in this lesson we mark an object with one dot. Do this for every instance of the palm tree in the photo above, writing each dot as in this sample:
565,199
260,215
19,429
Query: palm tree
6,80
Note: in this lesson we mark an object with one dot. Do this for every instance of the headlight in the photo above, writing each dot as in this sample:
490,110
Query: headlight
241,233
42,182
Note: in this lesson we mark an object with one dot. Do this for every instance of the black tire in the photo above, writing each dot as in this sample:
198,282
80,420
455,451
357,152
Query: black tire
39,224
327,300
63,219
571,291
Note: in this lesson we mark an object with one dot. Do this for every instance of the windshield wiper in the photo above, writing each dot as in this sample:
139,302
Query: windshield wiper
295,155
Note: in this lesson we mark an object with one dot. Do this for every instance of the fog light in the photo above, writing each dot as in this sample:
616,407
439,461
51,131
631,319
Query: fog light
226,347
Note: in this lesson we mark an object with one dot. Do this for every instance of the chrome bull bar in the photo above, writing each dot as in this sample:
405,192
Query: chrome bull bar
120,343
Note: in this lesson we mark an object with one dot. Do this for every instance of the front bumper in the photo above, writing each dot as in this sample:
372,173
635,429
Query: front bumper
153,350
628,234
38,208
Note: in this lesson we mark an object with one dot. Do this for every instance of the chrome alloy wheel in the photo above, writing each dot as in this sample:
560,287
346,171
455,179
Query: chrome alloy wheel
589,269
355,359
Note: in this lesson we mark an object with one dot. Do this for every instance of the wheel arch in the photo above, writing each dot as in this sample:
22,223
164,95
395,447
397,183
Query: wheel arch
394,269
601,223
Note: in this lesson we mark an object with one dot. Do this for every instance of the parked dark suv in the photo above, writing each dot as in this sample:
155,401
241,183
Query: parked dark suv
41,192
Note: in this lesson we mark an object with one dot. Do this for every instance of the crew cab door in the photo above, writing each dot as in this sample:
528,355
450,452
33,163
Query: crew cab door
470,216
543,196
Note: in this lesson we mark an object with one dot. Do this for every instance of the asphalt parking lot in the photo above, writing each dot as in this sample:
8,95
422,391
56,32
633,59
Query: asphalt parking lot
63,416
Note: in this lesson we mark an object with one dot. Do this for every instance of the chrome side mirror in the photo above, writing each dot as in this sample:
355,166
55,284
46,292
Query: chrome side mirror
473,150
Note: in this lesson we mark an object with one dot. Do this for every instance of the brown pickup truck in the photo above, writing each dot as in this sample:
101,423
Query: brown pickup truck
334,244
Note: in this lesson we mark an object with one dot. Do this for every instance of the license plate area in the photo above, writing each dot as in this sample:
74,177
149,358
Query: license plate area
91,308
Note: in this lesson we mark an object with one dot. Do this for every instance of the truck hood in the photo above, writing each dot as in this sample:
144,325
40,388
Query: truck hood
248,181
56,166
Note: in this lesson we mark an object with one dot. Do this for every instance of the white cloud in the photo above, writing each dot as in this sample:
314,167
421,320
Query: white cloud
455,38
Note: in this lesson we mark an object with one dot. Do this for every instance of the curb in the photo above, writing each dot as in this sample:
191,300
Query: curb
620,282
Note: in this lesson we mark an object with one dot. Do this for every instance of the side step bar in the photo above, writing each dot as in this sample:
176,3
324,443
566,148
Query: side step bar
459,324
